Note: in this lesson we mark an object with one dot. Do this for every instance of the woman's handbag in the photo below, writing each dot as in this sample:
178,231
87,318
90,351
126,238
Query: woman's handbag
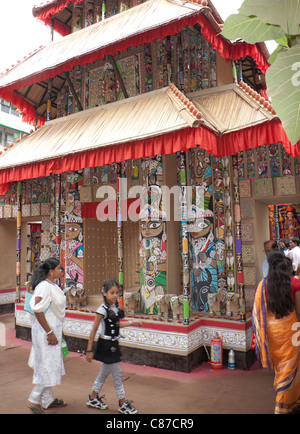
27,306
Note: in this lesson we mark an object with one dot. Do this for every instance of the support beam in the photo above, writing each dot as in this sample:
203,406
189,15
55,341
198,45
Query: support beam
111,59
73,91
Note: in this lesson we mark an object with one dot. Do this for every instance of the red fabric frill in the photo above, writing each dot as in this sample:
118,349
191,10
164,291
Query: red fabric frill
228,144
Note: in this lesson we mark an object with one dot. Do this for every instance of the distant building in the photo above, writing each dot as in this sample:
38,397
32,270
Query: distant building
11,125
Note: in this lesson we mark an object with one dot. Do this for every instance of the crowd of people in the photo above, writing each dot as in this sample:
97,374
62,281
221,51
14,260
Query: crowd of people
291,248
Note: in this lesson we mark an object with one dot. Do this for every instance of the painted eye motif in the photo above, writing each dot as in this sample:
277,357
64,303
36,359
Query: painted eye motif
202,225
154,225
72,229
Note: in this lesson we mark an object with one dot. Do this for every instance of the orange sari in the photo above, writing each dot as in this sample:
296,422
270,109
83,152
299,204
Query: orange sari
274,349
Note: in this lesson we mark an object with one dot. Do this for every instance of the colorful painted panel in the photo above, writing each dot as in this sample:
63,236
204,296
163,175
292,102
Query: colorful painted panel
153,236
286,161
251,164
203,258
274,160
262,162
74,254
264,187
285,186
104,85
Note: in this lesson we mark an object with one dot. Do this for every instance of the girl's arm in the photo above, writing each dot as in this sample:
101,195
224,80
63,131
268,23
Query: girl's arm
126,323
89,350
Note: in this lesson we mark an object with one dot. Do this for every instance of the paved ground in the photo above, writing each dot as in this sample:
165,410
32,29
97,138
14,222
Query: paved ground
154,391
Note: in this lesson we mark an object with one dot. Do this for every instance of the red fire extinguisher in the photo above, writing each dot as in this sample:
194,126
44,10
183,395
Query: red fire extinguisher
216,352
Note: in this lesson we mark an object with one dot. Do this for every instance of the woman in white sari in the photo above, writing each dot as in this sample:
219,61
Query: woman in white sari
48,304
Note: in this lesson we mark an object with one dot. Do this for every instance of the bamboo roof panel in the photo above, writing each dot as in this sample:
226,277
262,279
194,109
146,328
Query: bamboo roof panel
132,119
229,108
146,16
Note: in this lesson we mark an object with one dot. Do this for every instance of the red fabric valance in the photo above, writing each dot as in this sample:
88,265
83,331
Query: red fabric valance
228,144
225,49
53,9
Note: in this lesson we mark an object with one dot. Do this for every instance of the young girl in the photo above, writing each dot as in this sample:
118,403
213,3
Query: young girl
107,351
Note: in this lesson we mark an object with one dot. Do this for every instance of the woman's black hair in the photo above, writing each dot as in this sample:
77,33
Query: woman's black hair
42,271
280,301
107,284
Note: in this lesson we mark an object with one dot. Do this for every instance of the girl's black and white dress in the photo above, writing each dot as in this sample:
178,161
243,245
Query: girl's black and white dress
107,350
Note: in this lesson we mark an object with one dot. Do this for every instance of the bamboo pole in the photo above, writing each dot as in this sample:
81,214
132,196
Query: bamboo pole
57,216
120,236
19,232
238,237
184,238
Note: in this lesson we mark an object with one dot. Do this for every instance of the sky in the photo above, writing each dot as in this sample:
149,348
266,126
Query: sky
21,33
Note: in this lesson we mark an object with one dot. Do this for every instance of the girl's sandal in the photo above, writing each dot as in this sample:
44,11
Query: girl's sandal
57,403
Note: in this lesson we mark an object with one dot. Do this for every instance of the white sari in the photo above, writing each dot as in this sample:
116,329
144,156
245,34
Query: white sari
46,360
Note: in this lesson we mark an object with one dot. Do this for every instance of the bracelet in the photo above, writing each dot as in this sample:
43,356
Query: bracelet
89,351
130,322
51,331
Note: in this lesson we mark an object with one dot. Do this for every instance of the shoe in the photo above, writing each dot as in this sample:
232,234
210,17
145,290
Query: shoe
35,408
96,403
127,408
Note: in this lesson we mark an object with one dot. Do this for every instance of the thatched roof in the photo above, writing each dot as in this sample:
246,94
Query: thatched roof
144,116
232,108
123,26
222,110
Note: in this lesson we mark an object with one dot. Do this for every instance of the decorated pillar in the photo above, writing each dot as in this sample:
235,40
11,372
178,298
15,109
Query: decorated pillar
229,230
238,237
219,218
153,236
203,264
184,238
19,223
121,173
57,216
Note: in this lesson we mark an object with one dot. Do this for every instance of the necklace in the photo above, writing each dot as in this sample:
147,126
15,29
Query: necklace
52,283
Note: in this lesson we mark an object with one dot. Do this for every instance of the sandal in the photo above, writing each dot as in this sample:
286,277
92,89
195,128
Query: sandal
35,408
57,403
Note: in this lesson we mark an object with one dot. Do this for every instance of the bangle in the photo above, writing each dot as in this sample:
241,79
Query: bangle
51,331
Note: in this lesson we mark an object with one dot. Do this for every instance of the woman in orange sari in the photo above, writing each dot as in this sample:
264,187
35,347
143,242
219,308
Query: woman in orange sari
274,322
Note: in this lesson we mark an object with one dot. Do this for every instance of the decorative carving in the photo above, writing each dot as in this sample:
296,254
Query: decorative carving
176,303
131,302
216,304
163,305
233,306
76,297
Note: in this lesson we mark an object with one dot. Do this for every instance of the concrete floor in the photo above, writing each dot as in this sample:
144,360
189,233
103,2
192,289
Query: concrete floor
153,391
